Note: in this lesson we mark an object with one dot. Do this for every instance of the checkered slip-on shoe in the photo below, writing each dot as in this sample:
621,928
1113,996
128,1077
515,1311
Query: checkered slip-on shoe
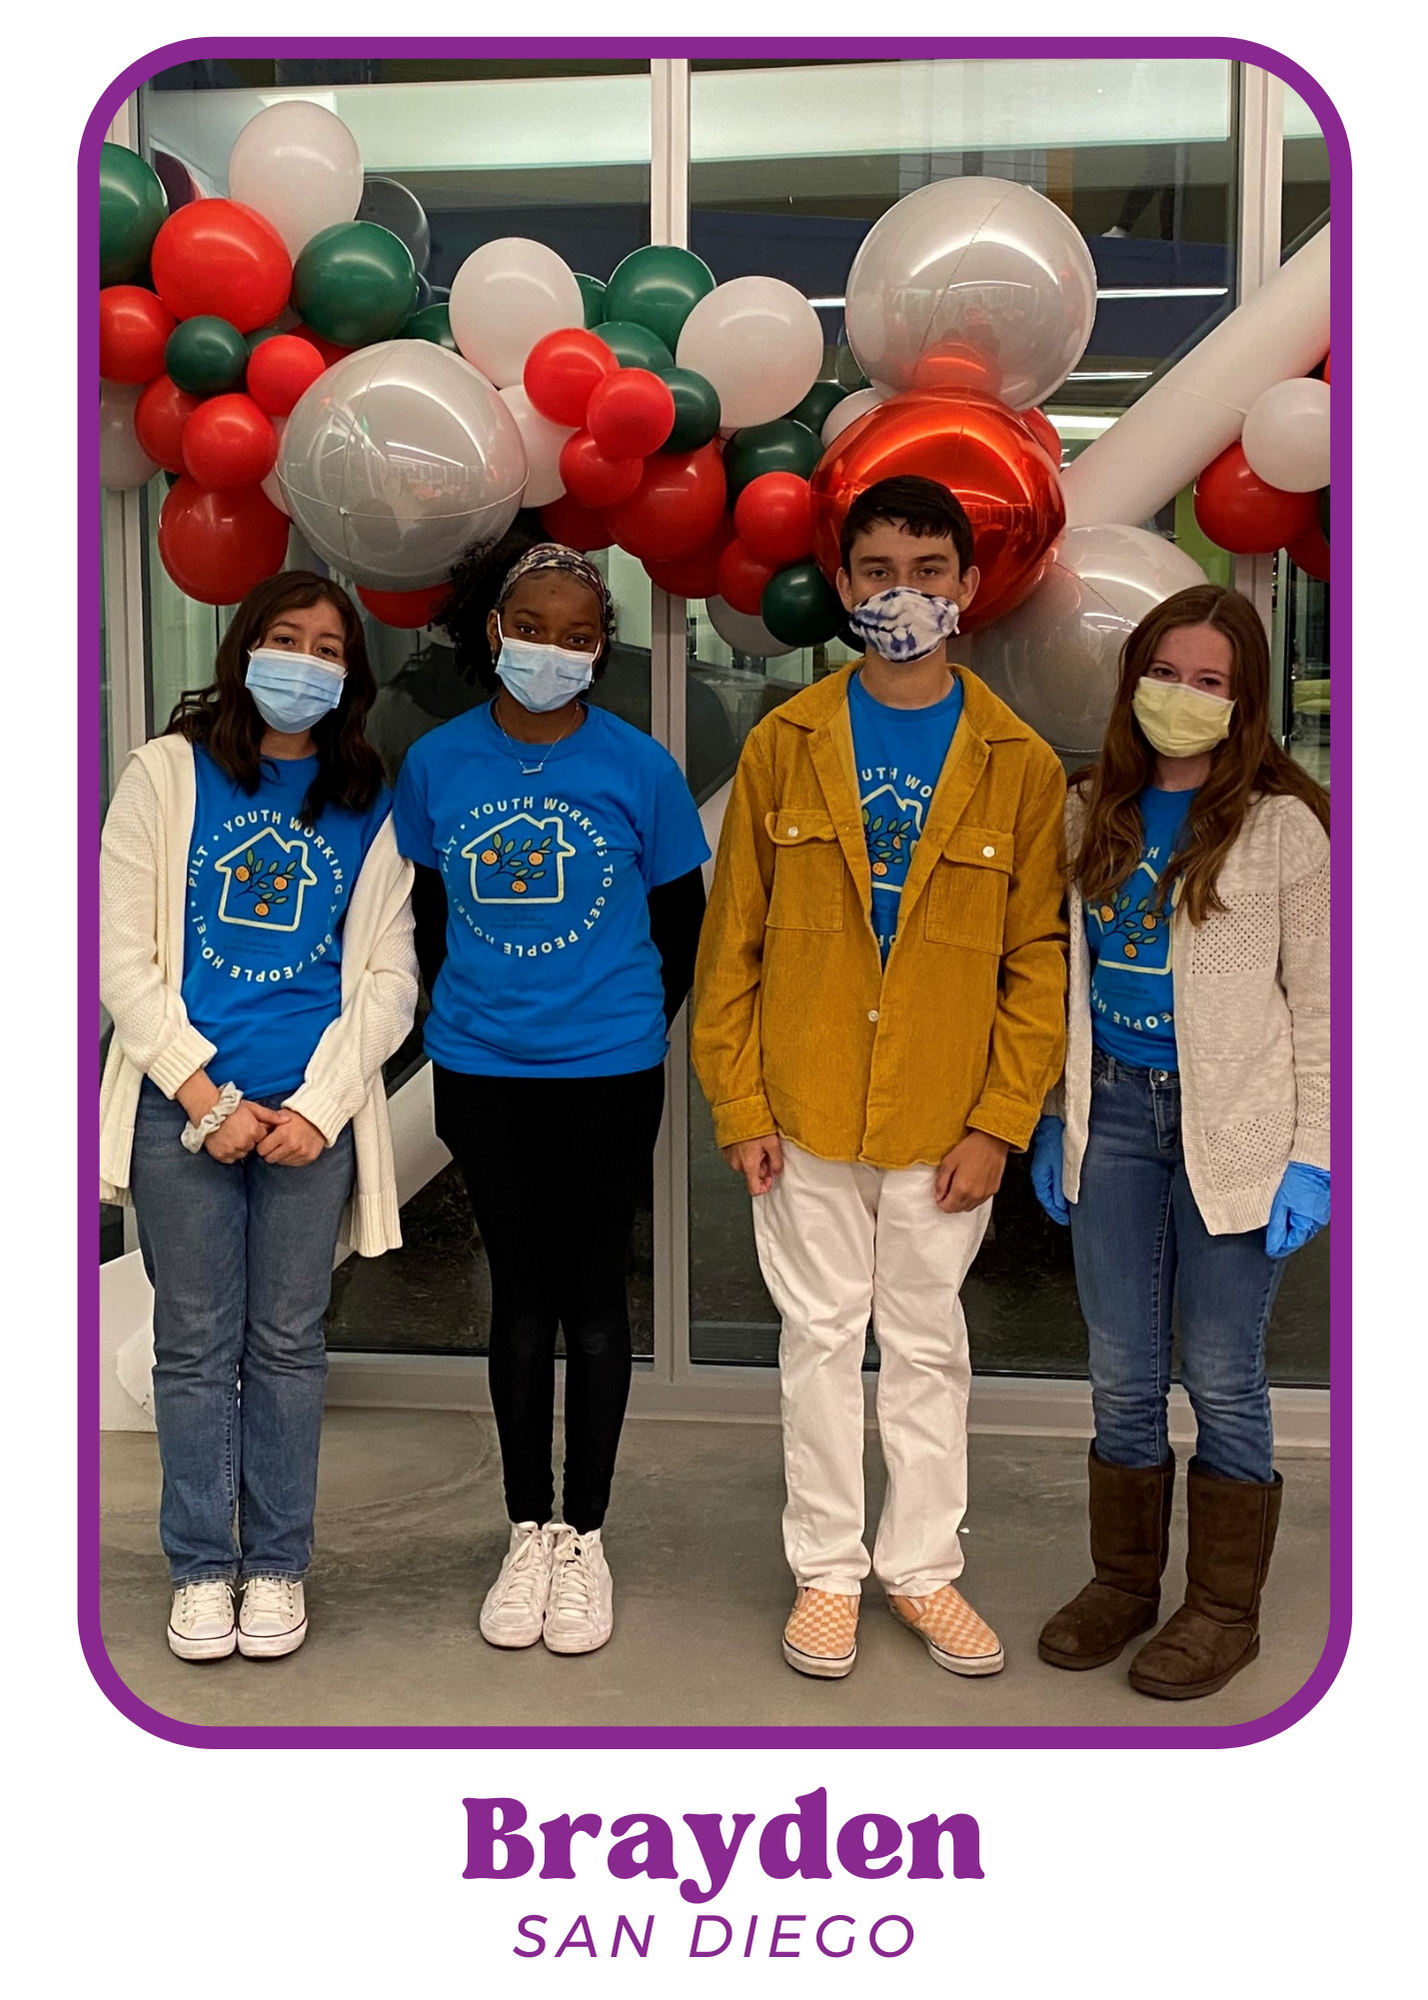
954,1635
821,1636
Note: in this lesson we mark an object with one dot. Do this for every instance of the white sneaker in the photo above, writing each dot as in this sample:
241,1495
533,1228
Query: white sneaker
201,1620
514,1609
581,1613
273,1618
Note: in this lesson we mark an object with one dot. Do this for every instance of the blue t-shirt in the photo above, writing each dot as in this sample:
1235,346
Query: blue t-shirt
1132,975
267,893
899,753
550,968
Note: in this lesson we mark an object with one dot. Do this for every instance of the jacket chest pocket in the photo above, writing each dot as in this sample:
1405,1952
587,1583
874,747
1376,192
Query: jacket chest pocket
967,892
807,892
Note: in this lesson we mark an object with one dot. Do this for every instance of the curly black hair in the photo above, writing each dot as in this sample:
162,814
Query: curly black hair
475,591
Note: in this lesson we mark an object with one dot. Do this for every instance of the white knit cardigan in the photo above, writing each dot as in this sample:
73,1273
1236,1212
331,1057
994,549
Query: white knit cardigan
1251,1019
142,896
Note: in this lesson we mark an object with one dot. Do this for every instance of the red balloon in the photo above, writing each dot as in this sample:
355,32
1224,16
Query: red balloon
221,257
216,543
697,574
229,442
675,507
134,326
561,371
592,478
328,349
1044,431
565,520
407,610
1236,509
280,370
1311,552
978,449
630,413
774,517
742,578
159,418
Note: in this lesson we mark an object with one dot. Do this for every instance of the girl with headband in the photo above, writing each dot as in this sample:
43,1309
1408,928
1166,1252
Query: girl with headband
558,897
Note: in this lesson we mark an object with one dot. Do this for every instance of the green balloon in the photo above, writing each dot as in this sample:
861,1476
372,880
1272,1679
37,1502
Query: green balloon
592,291
813,412
799,608
782,446
1322,497
432,323
262,333
206,355
132,209
696,409
658,287
635,346
354,283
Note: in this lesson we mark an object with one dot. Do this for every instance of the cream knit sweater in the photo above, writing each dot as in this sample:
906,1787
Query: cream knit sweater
1251,1020
142,893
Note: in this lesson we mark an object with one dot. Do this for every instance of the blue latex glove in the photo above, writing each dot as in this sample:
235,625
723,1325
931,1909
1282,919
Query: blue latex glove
1301,1208
1046,1168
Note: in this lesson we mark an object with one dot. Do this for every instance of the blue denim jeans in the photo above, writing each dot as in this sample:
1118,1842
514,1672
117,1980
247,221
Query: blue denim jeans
1141,1246
240,1259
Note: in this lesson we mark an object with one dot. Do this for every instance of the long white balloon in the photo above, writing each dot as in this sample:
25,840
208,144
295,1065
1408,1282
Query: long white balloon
1192,414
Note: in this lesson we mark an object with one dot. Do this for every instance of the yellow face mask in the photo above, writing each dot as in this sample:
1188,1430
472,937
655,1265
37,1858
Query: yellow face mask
1180,721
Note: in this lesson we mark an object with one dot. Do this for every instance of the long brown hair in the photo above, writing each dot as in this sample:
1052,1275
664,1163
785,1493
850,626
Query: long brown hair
1247,763
224,718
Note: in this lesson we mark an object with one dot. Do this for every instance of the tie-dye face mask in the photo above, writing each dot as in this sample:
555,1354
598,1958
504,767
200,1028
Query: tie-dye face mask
903,626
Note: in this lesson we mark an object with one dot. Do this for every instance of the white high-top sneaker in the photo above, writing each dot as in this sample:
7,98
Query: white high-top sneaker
273,1618
201,1620
514,1609
581,1613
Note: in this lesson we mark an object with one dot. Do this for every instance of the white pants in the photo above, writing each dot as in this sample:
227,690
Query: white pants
838,1243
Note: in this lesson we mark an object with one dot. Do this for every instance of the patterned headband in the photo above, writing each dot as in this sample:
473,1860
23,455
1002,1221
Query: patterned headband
554,555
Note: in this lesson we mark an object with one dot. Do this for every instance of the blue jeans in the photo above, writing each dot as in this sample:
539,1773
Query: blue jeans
1140,1245
240,1259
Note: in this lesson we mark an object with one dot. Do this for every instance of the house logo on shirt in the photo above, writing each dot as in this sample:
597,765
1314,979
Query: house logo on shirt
264,882
520,860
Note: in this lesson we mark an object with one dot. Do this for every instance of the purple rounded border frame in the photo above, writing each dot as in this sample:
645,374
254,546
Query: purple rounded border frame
1211,1736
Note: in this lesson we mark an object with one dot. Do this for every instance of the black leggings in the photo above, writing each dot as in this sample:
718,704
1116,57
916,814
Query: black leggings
554,1167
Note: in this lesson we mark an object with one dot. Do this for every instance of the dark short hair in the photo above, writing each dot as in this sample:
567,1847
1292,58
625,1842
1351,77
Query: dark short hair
922,506
476,592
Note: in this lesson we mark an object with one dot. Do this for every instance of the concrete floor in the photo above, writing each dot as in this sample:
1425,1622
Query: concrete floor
411,1530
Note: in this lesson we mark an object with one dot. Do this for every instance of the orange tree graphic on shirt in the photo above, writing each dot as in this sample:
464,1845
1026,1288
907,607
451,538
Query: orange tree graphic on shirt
264,882
521,860
889,836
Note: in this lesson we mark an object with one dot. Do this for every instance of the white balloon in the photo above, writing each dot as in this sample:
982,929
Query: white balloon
273,485
543,440
759,342
508,295
1055,659
123,461
1286,435
976,271
851,408
299,166
743,633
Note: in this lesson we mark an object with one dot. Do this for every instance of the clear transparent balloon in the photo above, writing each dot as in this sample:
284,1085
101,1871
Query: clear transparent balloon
397,459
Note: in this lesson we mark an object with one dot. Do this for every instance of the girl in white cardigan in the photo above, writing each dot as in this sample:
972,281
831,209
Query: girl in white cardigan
256,957
1190,1146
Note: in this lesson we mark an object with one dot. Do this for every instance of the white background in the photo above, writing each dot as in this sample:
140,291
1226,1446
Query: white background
152,1869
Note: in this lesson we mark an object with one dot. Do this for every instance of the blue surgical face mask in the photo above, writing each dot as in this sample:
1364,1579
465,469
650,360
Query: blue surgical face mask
542,677
903,626
292,691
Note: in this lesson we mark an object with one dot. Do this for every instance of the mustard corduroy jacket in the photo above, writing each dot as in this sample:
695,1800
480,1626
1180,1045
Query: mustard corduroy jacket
798,1028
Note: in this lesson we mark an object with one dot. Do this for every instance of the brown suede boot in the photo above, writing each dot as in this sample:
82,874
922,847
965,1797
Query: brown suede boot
1216,1630
1130,1540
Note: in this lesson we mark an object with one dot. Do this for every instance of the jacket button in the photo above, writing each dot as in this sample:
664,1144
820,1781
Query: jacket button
989,852
793,833
872,1013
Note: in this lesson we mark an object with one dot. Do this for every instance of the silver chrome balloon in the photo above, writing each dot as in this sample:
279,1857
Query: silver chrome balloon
977,284
397,459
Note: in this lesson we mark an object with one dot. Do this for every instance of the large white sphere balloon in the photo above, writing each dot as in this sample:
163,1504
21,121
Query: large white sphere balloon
508,295
851,408
397,459
542,440
123,461
743,633
1055,659
759,342
974,283
1286,435
273,485
299,166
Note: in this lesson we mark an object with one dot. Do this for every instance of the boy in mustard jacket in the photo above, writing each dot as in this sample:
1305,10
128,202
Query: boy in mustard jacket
879,1012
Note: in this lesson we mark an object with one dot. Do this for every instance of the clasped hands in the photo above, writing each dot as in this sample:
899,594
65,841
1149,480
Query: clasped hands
967,1175
281,1137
